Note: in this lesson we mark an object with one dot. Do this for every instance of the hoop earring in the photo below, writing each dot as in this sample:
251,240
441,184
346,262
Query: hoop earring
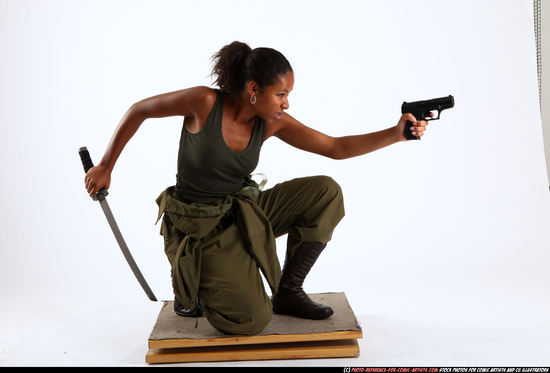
252,100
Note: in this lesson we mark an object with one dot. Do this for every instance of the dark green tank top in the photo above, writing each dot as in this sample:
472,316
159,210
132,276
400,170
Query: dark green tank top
207,168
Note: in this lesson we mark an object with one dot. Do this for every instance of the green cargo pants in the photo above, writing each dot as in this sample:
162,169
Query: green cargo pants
231,289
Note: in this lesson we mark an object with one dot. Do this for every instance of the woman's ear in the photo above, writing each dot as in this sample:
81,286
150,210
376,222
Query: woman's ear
252,88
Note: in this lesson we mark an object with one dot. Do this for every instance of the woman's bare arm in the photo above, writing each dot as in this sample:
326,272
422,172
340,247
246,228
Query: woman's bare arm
191,102
302,137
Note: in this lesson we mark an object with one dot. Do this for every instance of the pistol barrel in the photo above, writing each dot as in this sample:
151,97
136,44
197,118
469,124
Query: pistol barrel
439,104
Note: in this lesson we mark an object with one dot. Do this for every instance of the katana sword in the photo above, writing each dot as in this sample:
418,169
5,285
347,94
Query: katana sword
100,196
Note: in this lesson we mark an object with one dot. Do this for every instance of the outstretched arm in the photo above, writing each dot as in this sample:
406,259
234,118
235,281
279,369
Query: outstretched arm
302,137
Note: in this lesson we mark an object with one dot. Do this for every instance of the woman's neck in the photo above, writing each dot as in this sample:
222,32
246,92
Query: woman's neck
239,109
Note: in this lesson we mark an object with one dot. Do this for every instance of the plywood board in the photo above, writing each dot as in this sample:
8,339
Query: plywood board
245,340
170,326
270,351
184,339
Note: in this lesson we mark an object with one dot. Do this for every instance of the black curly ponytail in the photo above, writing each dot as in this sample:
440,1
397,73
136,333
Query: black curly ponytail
237,63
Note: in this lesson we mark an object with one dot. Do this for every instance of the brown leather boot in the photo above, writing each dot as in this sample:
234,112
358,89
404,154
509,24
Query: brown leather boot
180,310
290,298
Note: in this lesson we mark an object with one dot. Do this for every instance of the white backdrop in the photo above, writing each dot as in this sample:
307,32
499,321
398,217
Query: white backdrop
456,223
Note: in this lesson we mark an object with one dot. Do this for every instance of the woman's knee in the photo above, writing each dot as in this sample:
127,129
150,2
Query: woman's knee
328,187
248,322
329,184
259,321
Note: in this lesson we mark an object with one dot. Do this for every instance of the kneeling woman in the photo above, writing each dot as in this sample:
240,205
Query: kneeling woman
219,229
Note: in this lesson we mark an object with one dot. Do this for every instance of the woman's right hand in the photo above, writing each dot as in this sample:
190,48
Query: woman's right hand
97,178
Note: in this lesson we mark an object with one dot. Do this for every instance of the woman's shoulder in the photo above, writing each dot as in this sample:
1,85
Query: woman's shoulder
187,102
203,96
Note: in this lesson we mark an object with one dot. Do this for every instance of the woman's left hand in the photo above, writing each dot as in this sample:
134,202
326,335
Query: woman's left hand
417,129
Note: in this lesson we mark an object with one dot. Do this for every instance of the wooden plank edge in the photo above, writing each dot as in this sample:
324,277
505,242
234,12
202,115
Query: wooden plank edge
276,351
255,339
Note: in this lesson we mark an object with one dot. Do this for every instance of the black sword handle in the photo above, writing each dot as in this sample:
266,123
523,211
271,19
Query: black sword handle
86,159
87,164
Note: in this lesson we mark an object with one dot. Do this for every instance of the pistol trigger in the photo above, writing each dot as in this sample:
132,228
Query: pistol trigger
434,117
426,116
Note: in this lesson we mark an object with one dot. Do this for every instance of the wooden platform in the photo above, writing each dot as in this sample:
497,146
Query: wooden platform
176,339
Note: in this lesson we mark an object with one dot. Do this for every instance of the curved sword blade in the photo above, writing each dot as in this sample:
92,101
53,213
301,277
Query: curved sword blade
124,248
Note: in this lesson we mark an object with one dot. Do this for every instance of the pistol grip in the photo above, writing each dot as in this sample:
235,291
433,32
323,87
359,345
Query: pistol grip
408,133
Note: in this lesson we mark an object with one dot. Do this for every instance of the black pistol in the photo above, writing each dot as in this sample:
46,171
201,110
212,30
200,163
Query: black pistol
422,109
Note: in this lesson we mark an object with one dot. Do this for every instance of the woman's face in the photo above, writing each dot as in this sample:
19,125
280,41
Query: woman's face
273,99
